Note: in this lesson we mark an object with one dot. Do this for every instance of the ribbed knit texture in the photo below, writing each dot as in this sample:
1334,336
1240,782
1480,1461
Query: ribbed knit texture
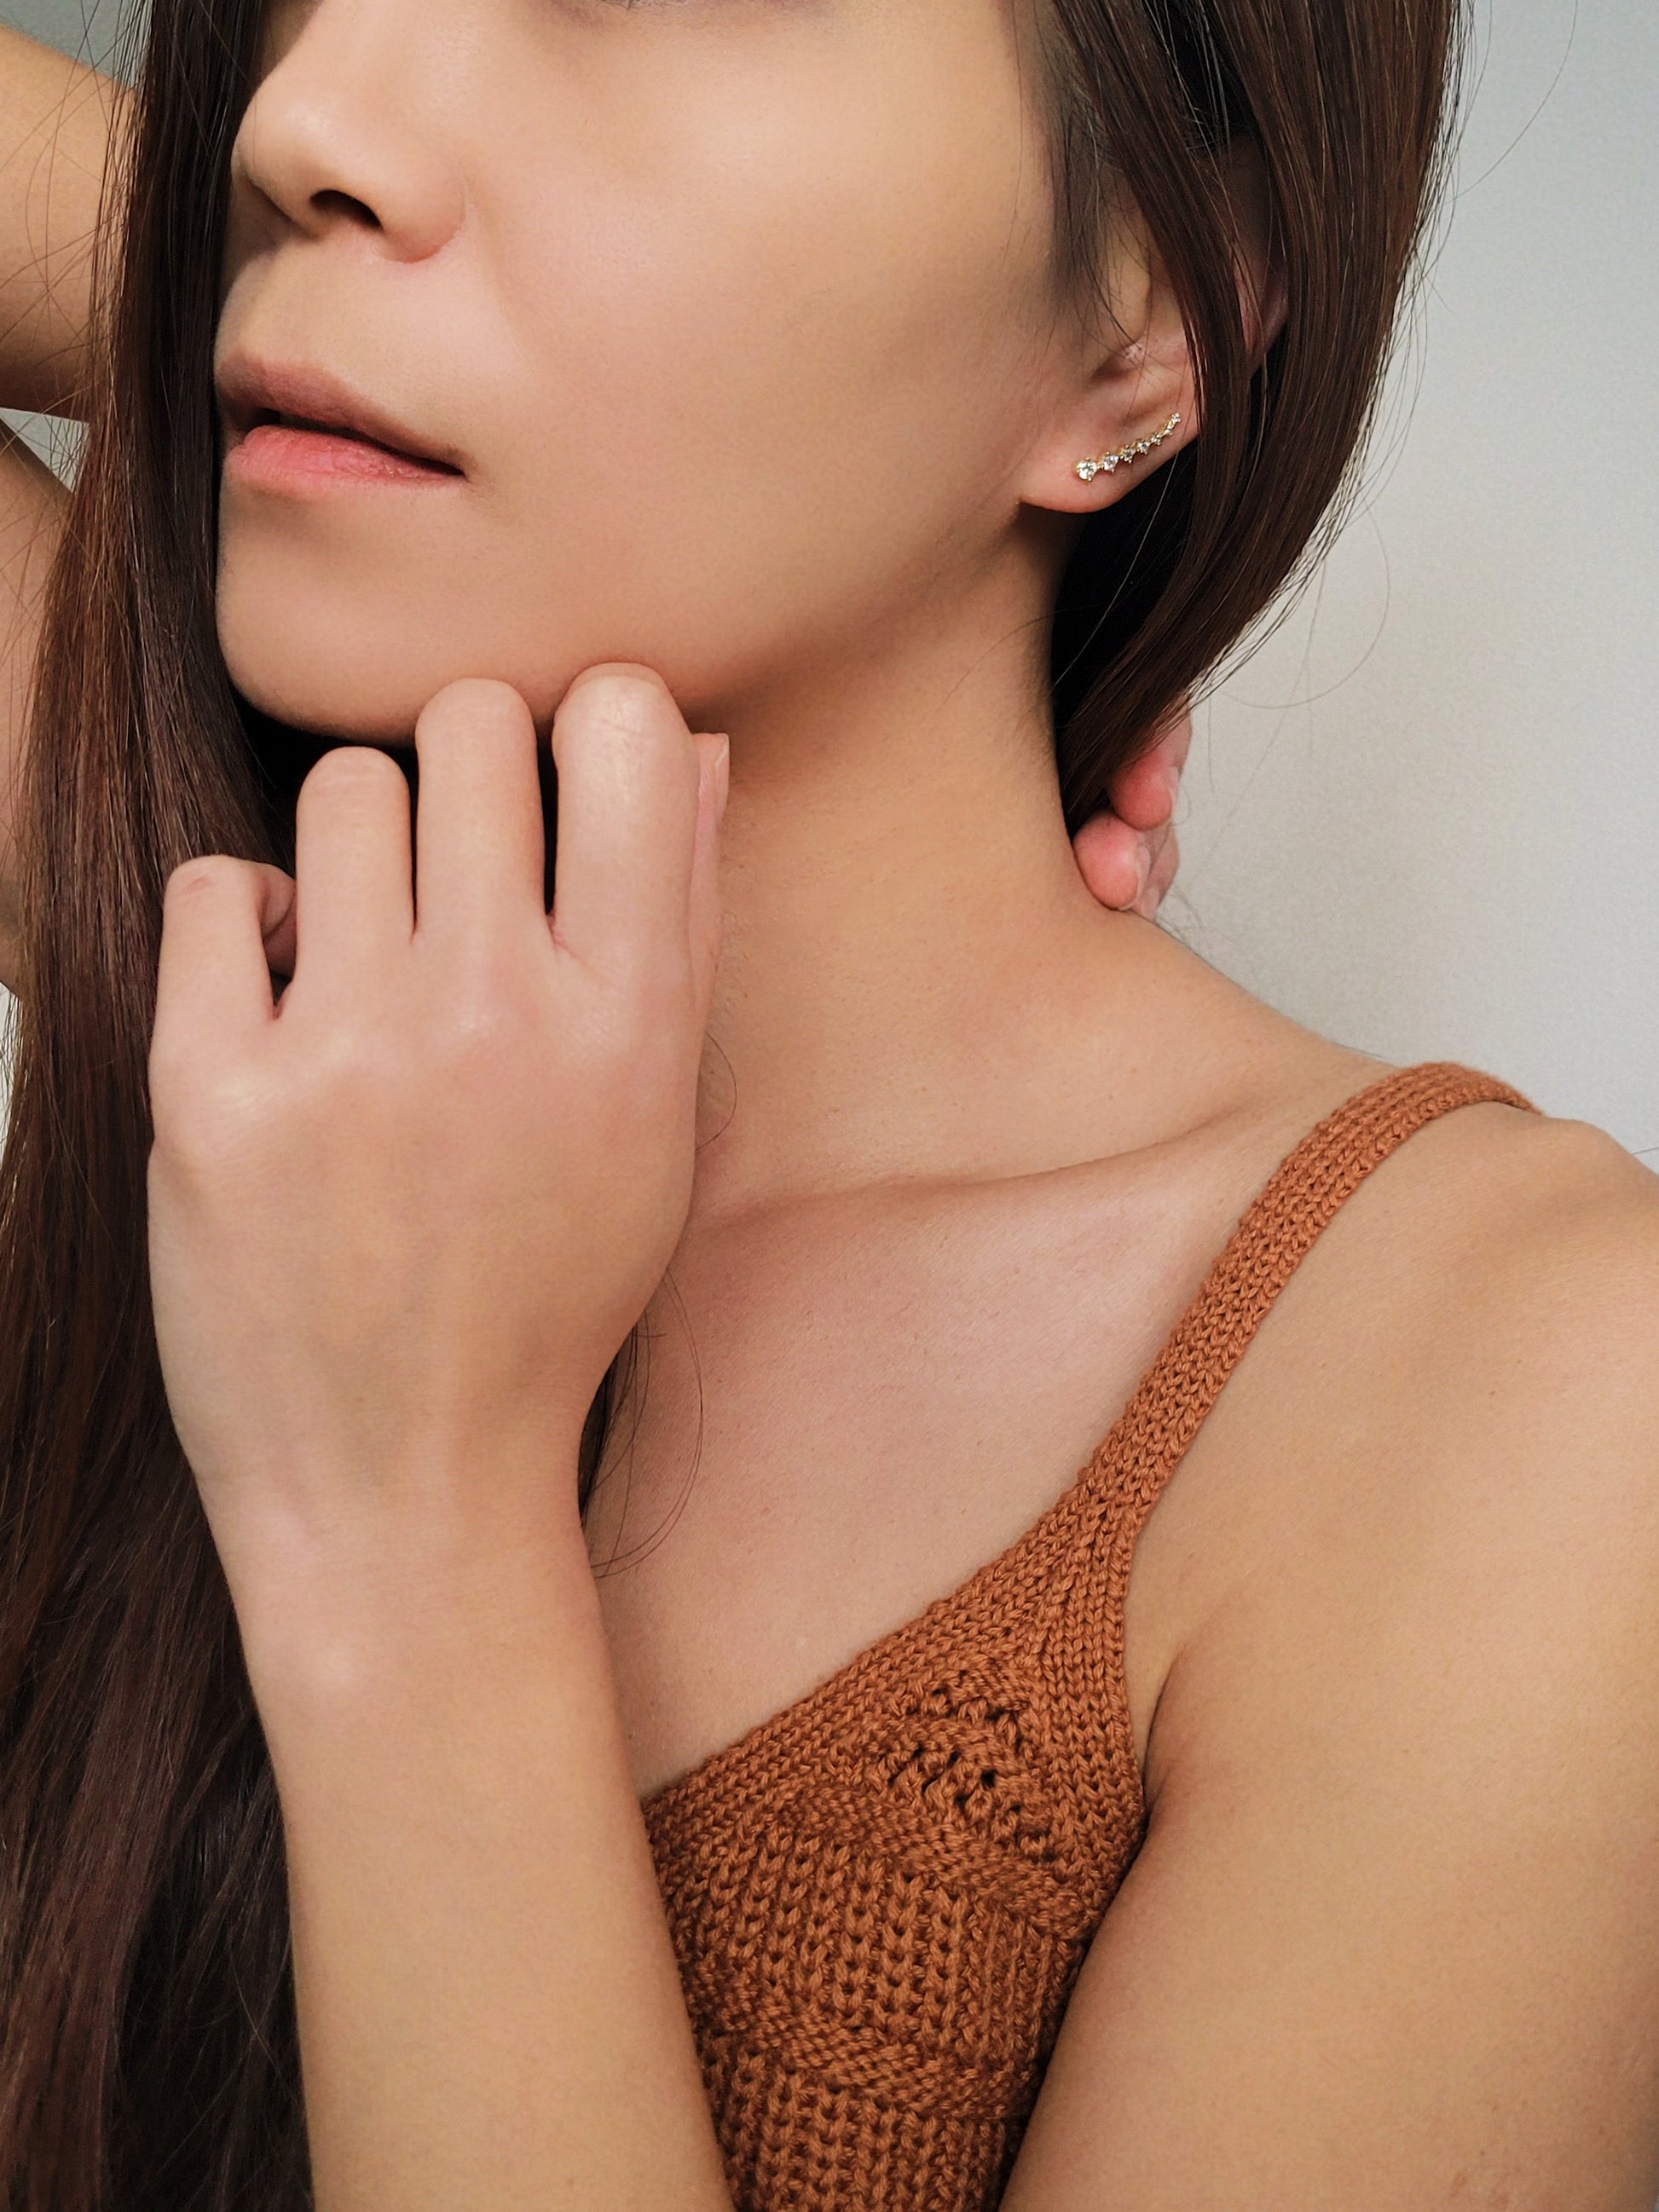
880,1897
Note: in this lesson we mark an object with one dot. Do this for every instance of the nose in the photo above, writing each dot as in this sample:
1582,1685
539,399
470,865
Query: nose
346,128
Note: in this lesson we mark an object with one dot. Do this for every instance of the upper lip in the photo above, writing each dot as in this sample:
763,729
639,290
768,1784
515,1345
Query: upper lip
252,390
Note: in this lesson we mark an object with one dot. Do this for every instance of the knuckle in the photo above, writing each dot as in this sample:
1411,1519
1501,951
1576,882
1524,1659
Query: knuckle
481,1014
480,1040
203,1117
202,876
654,987
653,1039
639,1093
634,1021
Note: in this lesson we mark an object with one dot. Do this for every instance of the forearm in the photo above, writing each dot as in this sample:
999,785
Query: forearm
489,2009
56,119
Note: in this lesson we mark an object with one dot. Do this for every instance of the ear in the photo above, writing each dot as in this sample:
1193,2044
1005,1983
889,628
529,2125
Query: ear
1134,368
1263,299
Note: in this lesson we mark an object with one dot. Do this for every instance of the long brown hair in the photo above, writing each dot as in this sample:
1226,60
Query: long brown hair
148,2051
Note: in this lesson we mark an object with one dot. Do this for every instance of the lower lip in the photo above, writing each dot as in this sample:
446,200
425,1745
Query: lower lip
273,457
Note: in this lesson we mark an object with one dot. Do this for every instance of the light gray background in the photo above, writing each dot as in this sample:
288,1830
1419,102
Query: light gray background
83,27
1423,817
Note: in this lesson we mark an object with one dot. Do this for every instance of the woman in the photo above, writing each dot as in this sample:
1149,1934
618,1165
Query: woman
768,1787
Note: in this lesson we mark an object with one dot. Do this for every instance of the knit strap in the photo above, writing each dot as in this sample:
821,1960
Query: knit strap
1084,1658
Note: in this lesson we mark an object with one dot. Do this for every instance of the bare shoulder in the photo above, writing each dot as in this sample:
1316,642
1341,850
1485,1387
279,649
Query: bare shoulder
1492,1181
1486,1302
1506,1266
1391,1939
1455,1418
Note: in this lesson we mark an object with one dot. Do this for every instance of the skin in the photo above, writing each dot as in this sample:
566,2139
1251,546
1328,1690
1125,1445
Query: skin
55,120
934,1148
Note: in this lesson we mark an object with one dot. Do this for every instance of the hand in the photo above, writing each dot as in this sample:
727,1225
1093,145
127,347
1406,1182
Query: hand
402,1215
1127,854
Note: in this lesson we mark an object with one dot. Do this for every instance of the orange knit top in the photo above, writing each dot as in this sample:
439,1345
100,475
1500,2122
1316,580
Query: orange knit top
880,1897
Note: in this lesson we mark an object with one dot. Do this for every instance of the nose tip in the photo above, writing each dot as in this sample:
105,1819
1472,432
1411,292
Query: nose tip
333,142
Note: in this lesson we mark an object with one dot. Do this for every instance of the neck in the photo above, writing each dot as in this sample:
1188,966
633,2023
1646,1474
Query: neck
916,983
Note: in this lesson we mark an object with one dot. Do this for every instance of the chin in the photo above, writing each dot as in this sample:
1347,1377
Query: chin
356,646
357,702
343,668
347,669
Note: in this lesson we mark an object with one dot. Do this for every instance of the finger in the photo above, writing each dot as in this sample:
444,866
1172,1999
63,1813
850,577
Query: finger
1180,741
627,825
1165,862
714,757
1141,792
478,839
1113,860
278,926
213,983
1144,791
354,907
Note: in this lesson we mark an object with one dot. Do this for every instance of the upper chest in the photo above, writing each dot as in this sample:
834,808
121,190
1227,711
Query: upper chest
848,1410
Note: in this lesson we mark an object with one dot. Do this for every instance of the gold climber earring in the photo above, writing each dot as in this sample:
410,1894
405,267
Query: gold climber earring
1090,470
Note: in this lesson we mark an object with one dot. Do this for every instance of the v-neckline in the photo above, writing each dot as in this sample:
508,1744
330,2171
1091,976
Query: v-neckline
787,1718
1103,1462
744,1748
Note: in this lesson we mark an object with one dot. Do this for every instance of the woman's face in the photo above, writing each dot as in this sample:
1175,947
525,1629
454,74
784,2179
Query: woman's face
736,319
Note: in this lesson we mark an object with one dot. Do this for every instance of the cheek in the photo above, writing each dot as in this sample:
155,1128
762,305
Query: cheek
769,401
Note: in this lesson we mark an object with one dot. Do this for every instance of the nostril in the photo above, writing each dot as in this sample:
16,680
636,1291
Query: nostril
333,203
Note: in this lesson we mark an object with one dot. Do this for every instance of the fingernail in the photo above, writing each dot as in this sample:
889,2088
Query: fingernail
722,777
1143,872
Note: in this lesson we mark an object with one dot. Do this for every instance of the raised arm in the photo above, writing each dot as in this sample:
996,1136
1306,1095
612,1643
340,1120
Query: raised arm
56,118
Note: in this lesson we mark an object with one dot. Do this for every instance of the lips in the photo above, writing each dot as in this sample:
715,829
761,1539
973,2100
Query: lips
274,418
303,397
